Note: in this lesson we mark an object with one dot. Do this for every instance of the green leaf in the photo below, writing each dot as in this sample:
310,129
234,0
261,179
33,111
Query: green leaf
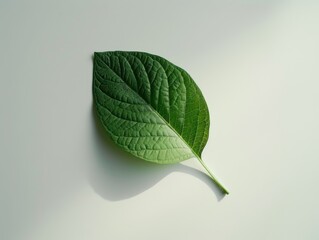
150,107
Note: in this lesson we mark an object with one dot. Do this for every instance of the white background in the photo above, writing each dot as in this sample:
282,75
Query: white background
257,65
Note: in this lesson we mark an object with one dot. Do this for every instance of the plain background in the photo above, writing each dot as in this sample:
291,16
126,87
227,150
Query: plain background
257,65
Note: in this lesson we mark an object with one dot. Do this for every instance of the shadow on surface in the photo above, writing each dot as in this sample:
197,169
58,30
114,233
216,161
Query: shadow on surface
116,175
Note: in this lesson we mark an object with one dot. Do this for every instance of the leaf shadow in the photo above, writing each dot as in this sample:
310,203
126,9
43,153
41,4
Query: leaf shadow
117,175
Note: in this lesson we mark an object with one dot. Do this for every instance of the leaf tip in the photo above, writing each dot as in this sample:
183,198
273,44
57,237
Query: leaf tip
97,54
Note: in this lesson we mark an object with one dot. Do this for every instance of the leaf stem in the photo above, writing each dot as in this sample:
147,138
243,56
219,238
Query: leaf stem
219,185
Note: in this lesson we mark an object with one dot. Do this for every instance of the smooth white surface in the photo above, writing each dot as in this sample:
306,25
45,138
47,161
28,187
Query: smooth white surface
257,64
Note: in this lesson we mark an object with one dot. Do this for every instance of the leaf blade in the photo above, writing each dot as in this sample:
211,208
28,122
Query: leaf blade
113,80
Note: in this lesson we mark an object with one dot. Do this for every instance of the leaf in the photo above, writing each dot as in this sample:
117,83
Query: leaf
150,107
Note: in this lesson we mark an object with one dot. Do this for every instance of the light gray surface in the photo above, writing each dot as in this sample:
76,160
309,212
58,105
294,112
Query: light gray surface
257,64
